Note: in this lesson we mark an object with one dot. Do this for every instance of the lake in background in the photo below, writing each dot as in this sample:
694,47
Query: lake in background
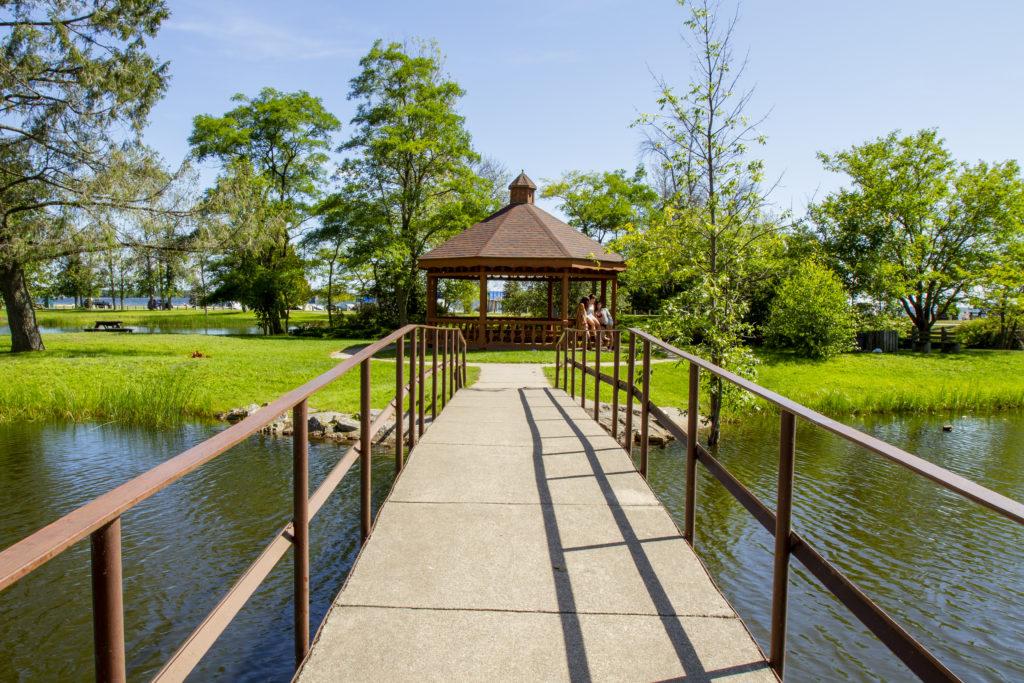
948,570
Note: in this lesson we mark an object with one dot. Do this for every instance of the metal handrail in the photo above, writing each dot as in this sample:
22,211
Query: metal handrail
100,519
787,542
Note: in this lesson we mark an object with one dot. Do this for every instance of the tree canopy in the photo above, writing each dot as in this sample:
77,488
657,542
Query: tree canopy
914,224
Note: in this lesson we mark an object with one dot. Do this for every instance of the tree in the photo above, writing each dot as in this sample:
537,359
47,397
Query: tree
411,165
714,229
75,75
811,314
1001,293
273,148
602,204
915,225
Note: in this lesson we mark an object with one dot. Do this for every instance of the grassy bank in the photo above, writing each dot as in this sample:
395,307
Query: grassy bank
871,383
153,379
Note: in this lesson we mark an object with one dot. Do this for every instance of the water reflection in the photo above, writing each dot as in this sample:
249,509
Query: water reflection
183,548
949,571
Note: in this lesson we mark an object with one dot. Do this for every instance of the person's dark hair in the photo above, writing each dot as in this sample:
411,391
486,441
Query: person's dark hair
583,301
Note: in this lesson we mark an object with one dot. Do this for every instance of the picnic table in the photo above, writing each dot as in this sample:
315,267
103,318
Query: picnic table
109,326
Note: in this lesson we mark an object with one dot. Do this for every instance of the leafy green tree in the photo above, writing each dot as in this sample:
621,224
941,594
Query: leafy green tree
1001,294
76,83
714,230
811,314
916,226
274,150
602,204
411,166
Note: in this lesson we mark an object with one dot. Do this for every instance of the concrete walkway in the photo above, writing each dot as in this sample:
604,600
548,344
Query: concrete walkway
520,544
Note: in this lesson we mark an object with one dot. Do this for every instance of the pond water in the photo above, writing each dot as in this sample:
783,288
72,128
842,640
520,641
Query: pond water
948,570
162,328
183,548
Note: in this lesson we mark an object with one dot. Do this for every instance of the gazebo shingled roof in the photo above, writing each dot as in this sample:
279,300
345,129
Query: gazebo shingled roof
521,232
519,240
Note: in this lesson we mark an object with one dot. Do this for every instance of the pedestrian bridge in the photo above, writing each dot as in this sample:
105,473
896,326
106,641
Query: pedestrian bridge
519,541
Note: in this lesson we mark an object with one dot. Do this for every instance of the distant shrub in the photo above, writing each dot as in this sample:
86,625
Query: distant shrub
874,321
980,333
811,314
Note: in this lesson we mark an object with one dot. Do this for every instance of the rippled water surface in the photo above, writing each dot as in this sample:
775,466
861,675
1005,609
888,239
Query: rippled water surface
183,548
949,571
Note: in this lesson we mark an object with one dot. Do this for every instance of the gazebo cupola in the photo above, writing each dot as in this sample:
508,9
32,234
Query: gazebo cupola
521,241
521,190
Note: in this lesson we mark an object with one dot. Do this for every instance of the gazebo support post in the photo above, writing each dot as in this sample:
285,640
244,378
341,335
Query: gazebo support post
551,284
565,300
615,301
604,292
431,299
481,334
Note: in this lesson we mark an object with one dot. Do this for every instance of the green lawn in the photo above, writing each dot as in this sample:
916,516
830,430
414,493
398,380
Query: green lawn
869,383
152,378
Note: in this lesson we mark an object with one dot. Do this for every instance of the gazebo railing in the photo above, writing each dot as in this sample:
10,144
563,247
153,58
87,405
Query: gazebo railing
788,543
506,331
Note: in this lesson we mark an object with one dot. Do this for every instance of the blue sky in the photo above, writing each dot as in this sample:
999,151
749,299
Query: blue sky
554,85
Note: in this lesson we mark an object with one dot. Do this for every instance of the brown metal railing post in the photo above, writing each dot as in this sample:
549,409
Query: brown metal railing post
108,603
615,385
691,454
583,375
300,526
565,361
465,367
783,513
631,386
412,387
645,414
423,383
433,378
597,379
558,364
451,368
444,370
365,513
572,369
399,403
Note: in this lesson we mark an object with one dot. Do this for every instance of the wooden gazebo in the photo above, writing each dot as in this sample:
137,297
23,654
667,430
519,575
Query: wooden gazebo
520,241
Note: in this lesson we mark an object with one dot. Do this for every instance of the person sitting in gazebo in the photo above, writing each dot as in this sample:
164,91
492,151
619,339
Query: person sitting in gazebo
584,320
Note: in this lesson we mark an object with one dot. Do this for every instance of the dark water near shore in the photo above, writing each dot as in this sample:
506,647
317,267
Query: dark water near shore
183,548
162,328
947,569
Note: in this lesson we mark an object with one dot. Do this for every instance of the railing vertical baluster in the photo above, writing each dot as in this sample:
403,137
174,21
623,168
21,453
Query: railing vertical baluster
365,513
558,365
423,361
433,378
645,415
399,403
412,387
451,371
444,369
615,385
630,390
783,513
691,454
597,379
575,340
108,603
465,368
300,527
583,374
565,361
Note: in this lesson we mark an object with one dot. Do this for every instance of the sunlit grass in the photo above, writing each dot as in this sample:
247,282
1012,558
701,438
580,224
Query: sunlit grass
854,384
153,379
